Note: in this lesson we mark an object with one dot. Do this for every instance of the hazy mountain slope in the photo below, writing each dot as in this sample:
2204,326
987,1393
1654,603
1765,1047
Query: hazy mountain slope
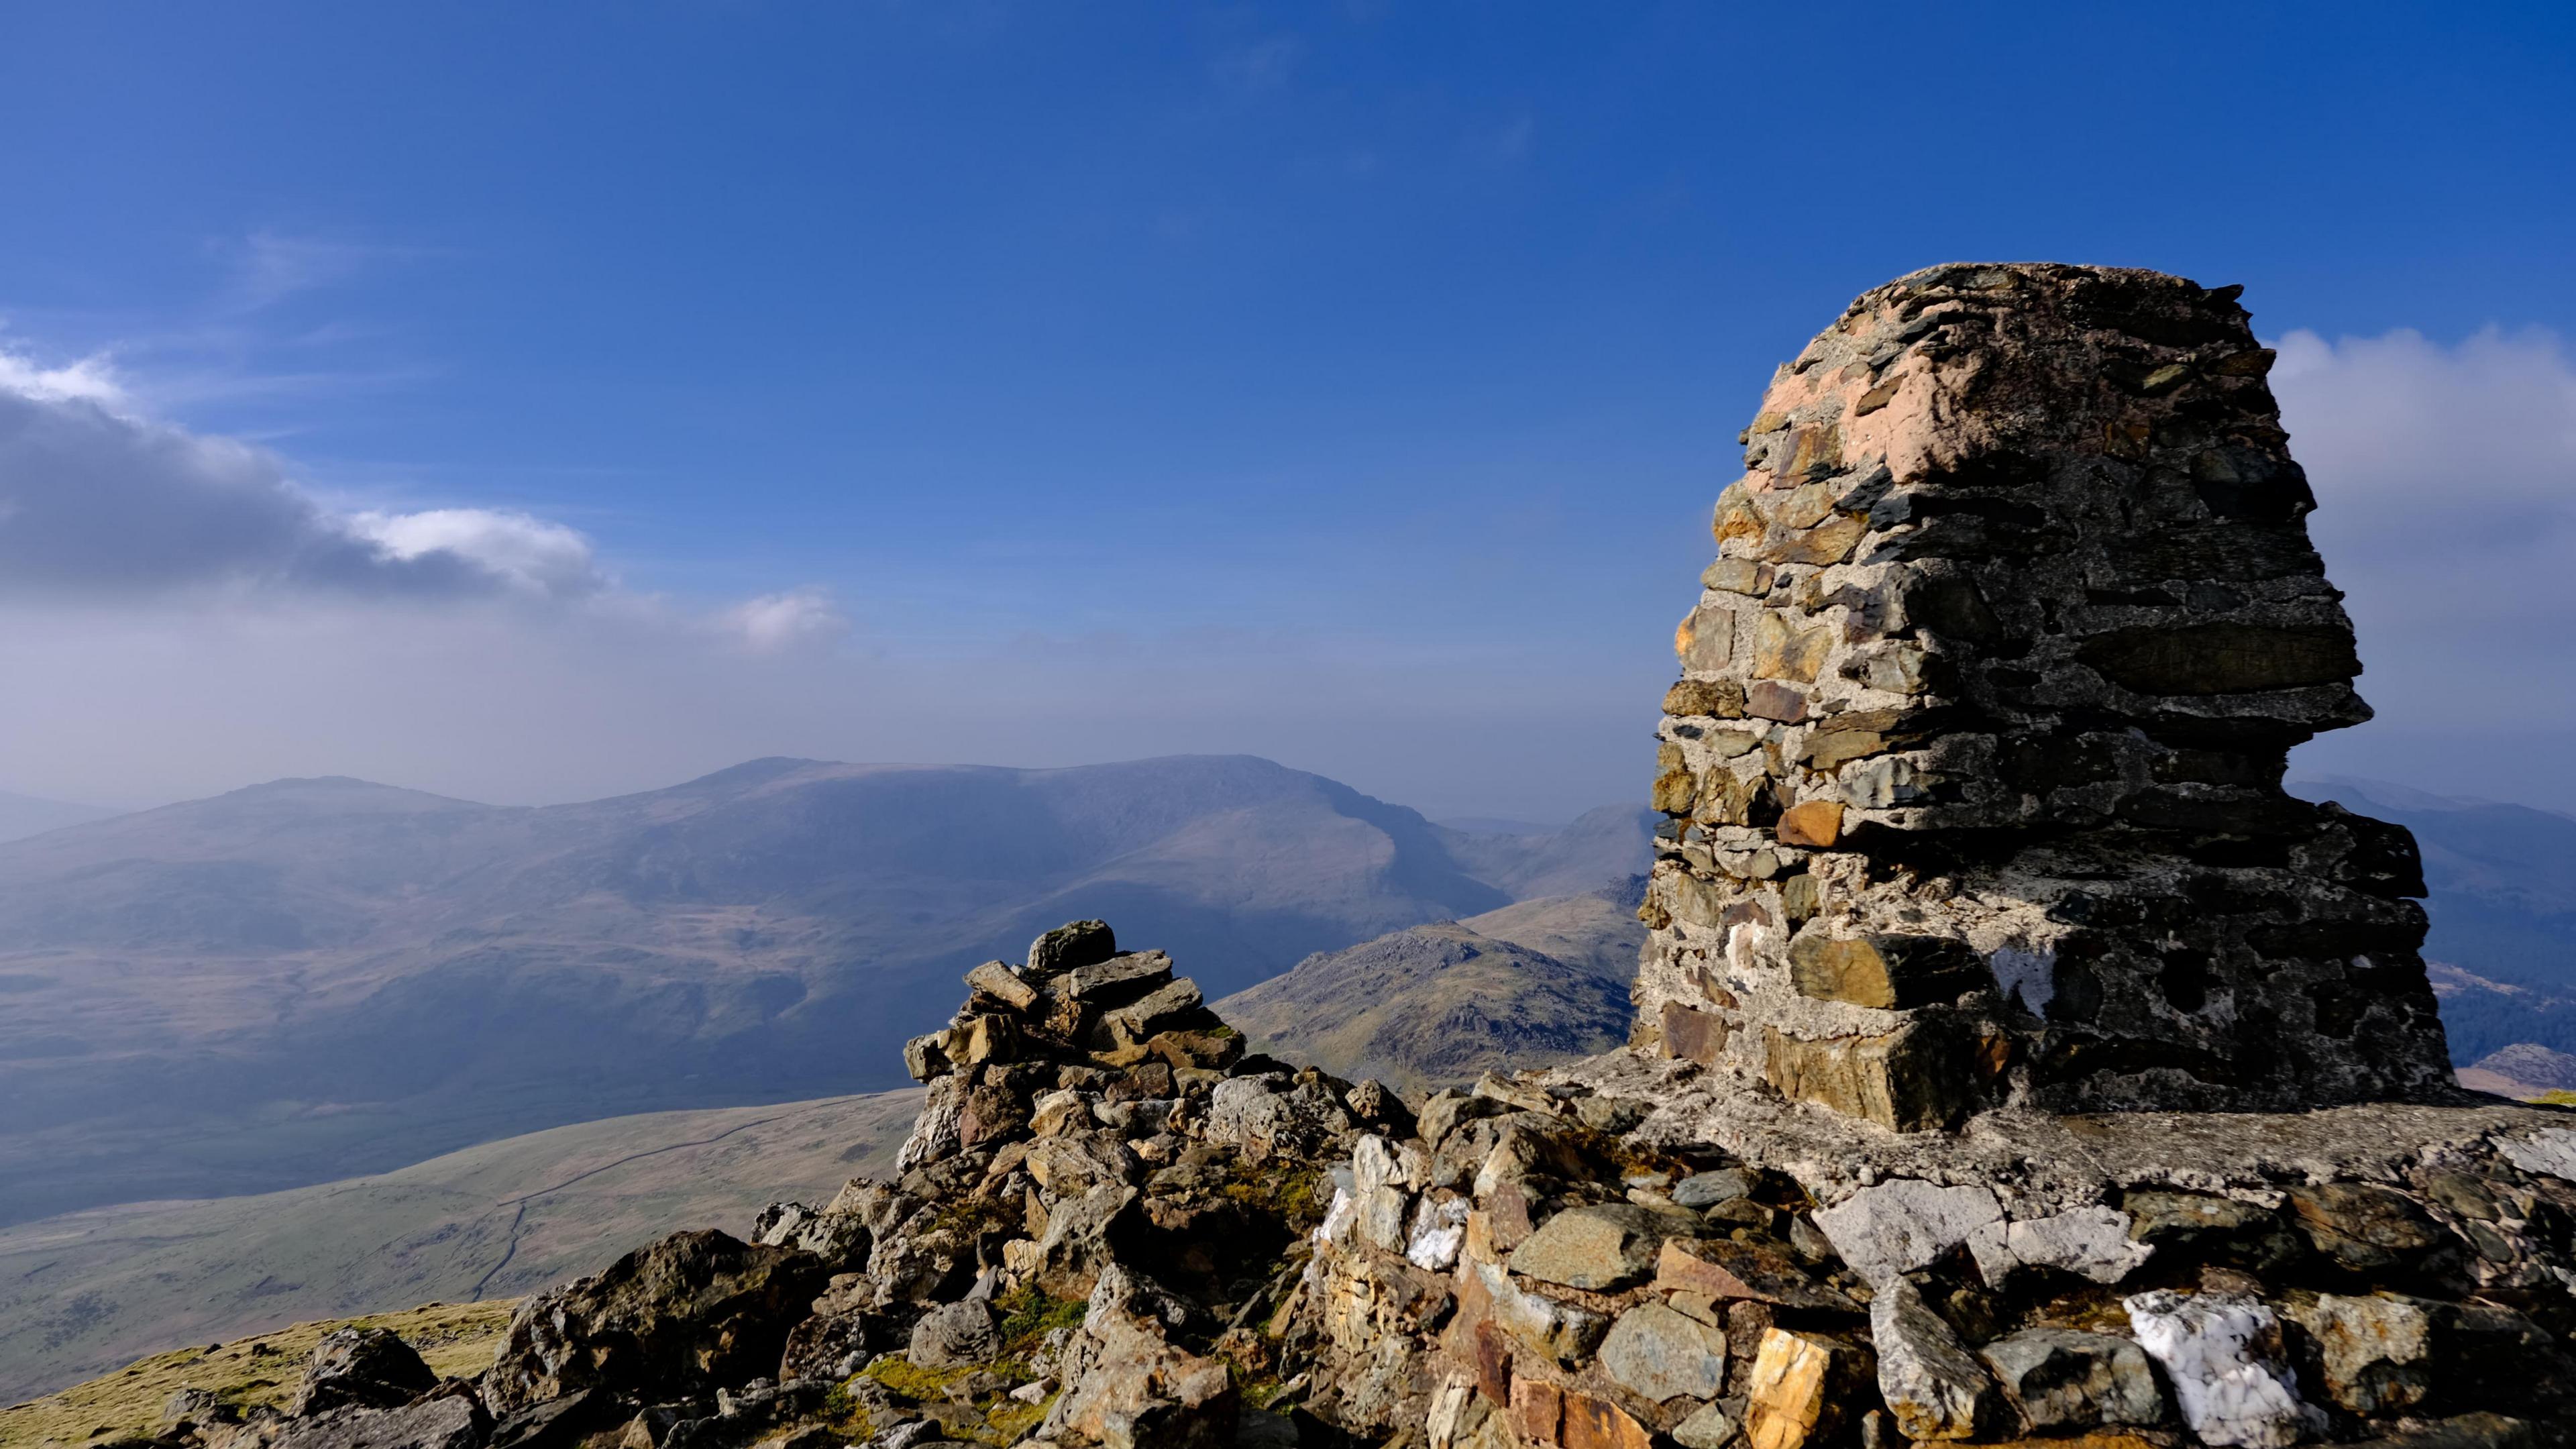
25,815
1437,1004
291,982
1601,847
2502,882
92,1290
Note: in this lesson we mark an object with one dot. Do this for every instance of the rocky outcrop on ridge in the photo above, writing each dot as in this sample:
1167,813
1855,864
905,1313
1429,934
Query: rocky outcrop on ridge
2015,1063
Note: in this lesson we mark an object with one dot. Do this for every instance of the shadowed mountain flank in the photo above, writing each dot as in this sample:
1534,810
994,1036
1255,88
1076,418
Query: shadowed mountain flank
1599,848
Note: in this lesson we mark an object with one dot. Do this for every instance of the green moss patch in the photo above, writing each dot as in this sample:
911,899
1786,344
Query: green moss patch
1029,1315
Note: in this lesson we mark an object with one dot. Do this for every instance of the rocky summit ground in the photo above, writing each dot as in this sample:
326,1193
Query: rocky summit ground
1114,1225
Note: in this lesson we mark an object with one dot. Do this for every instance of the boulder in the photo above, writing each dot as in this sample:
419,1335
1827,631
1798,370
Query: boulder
1270,1115
1129,1387
2089,1242
1564,1333
554,1424
688,1313
1076,943
1706,1427
440,1421
1171,1005
1804,1388
2367,1228
2215,1229
365,1368
1114,979
1724,1269
1708,1189
998,980
953,1335
840,1238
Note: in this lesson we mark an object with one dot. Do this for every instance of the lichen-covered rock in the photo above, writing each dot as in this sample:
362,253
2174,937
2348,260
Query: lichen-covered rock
839,1236
953,1335
1604,1247
2373,1354
1659,1354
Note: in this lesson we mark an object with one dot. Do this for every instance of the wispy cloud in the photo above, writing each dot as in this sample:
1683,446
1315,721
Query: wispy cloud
270,266
1259,67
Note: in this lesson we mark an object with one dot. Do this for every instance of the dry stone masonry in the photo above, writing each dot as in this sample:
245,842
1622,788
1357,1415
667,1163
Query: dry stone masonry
2015,1063
1973,771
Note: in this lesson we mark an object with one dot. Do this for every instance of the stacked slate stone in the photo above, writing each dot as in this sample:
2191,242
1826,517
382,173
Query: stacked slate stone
1568,1260
1973,771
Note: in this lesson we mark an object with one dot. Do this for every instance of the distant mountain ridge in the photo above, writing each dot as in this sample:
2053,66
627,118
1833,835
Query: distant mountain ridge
25,815
314,977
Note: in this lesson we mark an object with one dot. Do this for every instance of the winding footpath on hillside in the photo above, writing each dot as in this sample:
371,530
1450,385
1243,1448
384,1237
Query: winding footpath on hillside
519,1204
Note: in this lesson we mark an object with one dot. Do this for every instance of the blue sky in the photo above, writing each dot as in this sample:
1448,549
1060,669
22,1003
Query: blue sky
1040,383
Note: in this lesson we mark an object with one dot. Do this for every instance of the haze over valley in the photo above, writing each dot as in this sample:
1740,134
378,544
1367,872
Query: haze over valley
300,980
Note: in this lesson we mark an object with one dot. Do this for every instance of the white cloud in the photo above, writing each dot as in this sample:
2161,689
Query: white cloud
526,553
776,622
89,379
2446,484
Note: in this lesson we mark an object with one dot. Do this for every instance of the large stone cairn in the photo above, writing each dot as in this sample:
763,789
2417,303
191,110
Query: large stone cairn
1973,771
